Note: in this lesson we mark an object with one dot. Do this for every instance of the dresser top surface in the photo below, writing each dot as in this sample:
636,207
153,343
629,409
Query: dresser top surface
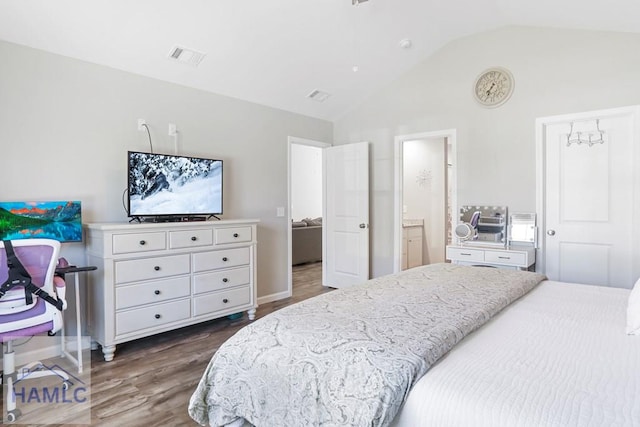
106,226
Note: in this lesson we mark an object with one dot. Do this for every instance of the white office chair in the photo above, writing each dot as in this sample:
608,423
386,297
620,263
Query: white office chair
21,318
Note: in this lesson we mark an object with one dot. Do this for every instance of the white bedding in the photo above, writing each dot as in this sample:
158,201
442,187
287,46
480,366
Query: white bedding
349,357
557,357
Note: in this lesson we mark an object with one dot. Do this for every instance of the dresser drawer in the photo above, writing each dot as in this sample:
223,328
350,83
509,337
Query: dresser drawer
152,292
138,242
152,316
136,270
223,279
204,261
190,238
465,254
504,257
207,304
232,235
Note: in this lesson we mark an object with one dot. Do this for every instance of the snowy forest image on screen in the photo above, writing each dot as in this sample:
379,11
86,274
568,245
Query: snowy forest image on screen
174,185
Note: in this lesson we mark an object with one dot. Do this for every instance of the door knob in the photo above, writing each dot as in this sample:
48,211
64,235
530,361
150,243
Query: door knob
551,232
363,225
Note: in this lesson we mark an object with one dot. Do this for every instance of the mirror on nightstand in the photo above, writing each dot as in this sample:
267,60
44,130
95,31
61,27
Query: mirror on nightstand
522,230
482,226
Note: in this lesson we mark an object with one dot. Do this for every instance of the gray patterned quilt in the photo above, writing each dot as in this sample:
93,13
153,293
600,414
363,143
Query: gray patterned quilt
350,357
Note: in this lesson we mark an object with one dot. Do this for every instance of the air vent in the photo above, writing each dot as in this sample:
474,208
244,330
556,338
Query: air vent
186,56
318,95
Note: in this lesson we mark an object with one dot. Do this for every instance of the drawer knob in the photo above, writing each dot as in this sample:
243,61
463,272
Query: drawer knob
225,259
157,292
235,234
225,300
143,242
194,238
157,316
225,280
156,268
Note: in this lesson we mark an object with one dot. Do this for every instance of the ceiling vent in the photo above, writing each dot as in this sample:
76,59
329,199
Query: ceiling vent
186,56
318,95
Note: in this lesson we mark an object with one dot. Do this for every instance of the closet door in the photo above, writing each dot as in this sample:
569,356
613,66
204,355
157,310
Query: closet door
589,198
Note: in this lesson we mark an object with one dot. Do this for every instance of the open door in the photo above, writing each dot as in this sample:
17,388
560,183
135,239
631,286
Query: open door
346,217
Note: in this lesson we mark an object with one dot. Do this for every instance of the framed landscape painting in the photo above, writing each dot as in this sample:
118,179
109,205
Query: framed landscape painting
58,220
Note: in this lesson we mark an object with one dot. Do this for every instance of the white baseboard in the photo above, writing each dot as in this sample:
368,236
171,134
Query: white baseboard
273,297
25,357
28,355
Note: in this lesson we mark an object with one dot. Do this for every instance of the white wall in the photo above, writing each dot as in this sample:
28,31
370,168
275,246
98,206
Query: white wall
306,182
66,126
556,72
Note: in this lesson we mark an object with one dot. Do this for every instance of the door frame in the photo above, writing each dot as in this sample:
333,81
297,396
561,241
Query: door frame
300,141
541,124
449,136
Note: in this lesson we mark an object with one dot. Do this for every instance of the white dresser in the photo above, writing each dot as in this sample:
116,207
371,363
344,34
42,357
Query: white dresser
521,258
155,277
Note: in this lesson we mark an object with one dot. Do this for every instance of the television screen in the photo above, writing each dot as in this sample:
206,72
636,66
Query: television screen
59,220
166,185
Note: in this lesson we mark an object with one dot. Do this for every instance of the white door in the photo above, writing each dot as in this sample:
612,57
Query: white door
588,198
346,220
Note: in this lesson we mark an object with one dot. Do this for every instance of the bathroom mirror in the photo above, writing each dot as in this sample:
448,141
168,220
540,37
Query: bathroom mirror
522,229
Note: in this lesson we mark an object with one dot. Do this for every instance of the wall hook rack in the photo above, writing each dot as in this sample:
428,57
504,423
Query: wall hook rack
589,138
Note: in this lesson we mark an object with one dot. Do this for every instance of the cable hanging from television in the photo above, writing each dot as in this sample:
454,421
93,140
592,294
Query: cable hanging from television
149,135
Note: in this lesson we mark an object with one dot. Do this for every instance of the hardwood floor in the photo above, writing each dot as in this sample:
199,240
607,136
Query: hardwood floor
150,381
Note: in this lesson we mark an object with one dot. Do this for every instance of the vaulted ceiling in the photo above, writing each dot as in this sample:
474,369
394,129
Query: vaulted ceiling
276,52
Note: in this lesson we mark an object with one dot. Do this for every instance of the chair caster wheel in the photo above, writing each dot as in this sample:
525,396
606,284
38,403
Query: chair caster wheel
66,385
12,416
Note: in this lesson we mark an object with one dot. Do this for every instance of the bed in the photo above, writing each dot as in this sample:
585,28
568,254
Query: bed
440,345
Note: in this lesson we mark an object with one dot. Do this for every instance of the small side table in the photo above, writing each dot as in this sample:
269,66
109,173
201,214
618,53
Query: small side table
61,272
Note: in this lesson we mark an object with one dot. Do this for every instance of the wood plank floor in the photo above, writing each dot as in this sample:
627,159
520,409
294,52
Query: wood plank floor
150,381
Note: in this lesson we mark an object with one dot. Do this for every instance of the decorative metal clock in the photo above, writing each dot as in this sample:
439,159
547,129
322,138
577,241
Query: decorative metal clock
493,87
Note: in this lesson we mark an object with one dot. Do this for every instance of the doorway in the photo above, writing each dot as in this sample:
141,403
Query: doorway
425,197
305,200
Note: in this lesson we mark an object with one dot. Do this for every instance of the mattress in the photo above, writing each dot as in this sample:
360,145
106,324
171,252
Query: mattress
557,357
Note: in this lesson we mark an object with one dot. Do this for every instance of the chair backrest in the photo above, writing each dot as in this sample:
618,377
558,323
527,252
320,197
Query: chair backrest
39,257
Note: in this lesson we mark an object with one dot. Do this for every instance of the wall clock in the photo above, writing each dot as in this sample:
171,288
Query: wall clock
493,87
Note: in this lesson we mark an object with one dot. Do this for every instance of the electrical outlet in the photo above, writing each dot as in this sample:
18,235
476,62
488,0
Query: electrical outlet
172,129
141,124
280,211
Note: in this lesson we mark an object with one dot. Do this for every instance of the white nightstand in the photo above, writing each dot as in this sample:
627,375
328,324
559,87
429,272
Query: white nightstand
516,258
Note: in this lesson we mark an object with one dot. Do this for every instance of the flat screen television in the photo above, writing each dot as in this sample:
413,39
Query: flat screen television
171,187
58,220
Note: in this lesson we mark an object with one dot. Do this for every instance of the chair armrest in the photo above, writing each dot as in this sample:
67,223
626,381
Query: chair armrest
60,287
